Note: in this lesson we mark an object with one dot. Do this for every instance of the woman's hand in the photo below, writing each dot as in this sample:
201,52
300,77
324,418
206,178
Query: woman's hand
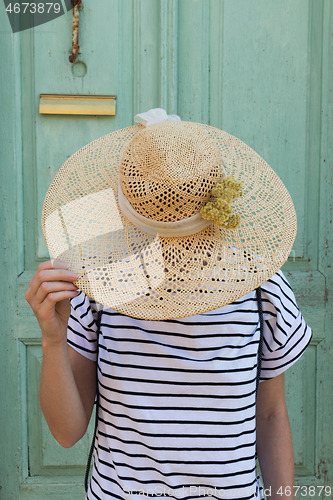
48,295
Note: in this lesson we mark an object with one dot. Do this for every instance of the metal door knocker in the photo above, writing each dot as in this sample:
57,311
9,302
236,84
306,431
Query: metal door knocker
75,30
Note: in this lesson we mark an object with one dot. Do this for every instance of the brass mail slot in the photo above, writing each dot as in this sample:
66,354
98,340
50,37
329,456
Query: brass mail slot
56,104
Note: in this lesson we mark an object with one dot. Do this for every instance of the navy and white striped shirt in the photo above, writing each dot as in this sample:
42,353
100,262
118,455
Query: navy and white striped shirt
177,397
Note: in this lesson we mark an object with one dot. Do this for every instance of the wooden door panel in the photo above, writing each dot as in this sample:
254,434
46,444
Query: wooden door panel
257,69
46,457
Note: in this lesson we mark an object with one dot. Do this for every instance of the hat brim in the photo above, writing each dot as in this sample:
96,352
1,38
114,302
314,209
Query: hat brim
155,278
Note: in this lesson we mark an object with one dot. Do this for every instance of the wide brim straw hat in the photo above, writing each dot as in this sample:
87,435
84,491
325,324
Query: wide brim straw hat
124,212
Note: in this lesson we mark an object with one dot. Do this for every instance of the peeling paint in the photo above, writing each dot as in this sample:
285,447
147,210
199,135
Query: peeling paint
322,470
326,294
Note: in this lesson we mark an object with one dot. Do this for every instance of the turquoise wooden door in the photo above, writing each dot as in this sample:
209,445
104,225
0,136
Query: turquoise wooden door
256,68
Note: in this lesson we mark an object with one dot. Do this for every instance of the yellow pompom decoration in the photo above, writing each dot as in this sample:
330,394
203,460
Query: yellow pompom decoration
219,208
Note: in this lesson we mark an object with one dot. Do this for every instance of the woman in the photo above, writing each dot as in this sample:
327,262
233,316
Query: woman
172,227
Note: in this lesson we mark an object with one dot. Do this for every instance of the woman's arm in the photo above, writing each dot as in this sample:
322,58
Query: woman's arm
274,441
68,380
67,392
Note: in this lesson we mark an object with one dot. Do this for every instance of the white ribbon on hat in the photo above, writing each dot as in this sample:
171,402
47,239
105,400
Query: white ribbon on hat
154,116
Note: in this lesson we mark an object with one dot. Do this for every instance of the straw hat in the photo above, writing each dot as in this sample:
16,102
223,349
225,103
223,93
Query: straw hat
129,213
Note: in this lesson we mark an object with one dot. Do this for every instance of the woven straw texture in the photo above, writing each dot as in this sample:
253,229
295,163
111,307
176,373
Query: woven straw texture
156,278
167,172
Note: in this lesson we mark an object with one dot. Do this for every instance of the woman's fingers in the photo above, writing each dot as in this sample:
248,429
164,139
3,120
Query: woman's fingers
47,308
51,283
50,271
53,264
48,293
52,287
49,265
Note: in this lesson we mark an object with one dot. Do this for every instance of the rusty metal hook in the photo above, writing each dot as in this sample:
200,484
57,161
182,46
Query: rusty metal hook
75,30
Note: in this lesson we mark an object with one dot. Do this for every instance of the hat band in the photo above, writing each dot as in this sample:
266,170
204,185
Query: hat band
184,227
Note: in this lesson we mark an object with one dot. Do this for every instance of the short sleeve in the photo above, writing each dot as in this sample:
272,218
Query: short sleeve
81,329
286,334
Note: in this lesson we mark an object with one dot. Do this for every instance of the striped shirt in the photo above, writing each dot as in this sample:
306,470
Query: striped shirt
176,414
